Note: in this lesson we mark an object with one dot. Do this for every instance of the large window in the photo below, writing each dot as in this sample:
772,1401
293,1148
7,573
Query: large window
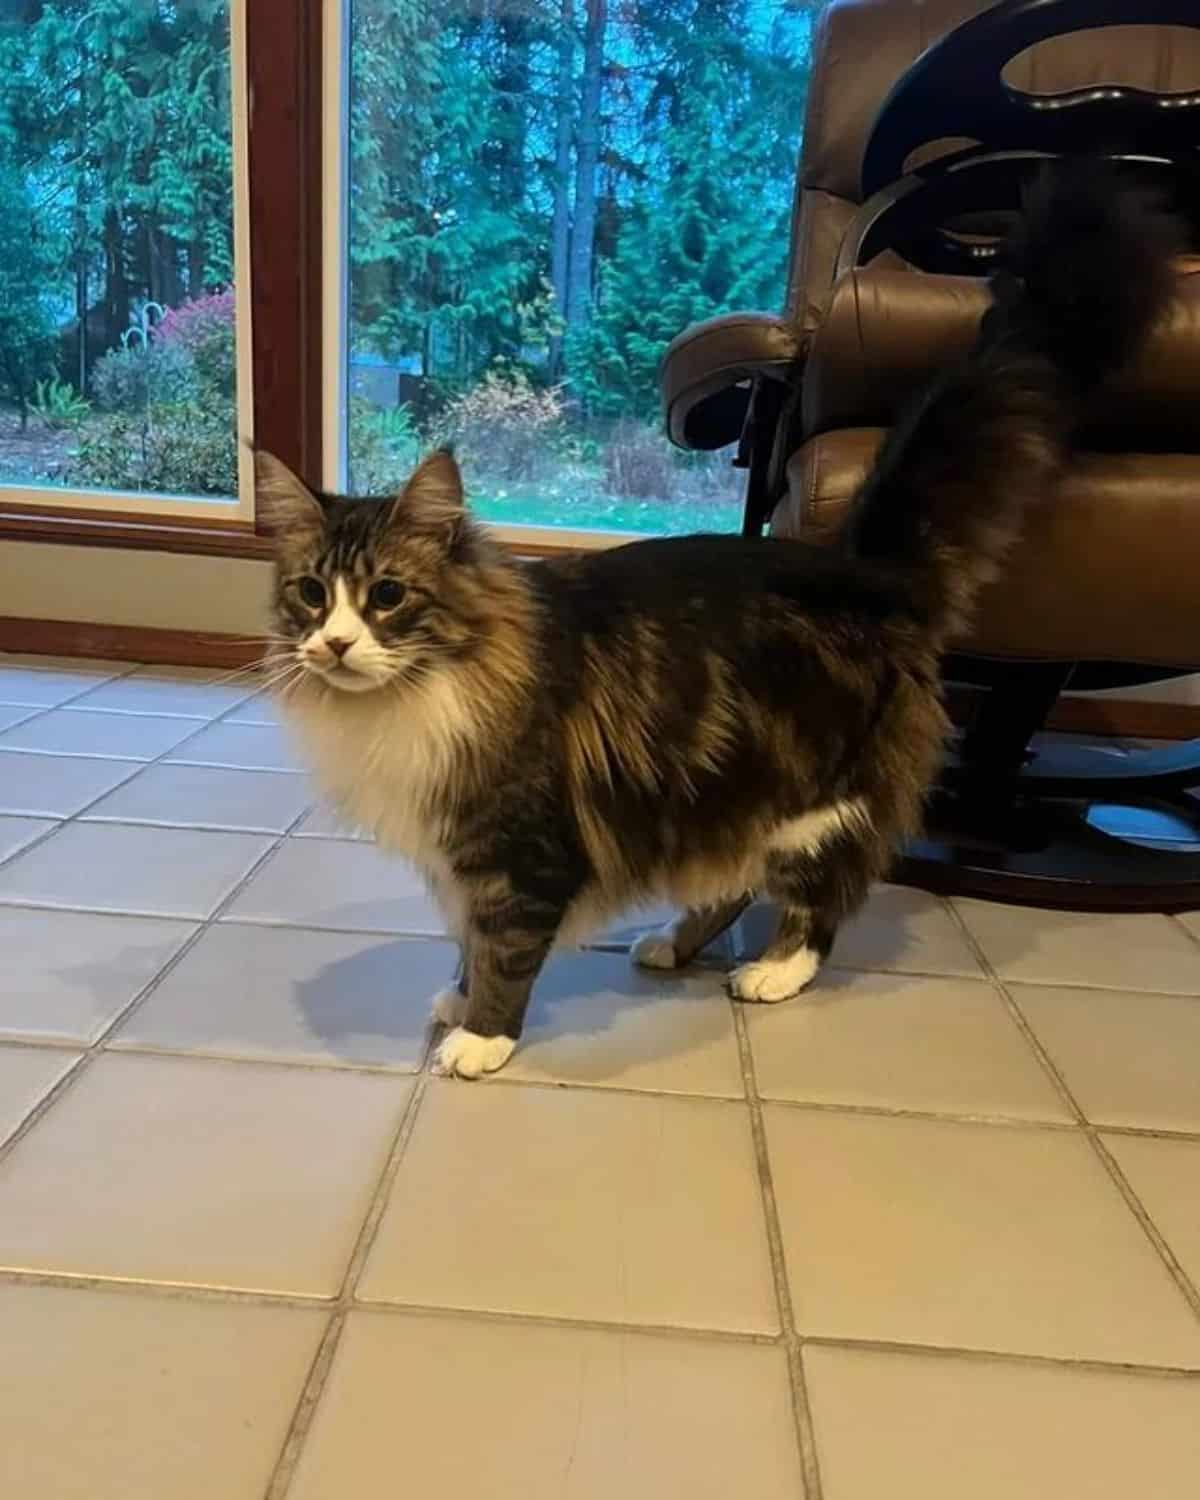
540,195
119,319
511,207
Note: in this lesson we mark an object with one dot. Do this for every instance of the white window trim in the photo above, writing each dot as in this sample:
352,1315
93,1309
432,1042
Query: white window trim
143,505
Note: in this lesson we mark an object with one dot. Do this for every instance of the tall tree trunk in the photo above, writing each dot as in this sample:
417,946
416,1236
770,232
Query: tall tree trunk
512,83
17,380
116,287
579,272
512,86
169,258
147,261
195,267
560,229
81,317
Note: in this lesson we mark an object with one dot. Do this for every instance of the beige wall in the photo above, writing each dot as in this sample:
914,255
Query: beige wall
106,586
168,591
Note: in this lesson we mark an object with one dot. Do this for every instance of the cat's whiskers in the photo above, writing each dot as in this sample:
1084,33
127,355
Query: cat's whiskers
292,672
261,664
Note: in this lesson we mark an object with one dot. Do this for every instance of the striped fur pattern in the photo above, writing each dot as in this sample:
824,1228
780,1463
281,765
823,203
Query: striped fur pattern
695,719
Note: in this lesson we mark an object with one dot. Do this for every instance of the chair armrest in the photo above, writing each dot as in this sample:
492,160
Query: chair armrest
705,375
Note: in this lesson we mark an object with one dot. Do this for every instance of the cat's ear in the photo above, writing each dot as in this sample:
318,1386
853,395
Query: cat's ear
285,502
432,501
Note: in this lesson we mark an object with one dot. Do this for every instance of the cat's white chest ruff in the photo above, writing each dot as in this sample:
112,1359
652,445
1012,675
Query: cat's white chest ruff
382,761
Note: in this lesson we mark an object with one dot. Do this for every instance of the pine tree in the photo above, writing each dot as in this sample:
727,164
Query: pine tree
26,333
703,213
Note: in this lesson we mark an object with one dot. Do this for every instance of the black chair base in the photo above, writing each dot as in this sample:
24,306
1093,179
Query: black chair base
1075,830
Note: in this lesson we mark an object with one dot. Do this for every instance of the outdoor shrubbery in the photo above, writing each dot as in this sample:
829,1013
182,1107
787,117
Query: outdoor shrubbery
505,427
168,407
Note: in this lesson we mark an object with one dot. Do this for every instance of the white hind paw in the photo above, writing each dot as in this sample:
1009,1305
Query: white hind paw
655,950
771,979
449,1006
464,1054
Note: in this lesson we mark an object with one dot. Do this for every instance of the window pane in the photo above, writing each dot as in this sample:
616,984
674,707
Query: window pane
543,193
117,365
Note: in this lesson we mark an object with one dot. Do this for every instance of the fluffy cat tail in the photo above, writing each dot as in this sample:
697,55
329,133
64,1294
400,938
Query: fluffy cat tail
1085,278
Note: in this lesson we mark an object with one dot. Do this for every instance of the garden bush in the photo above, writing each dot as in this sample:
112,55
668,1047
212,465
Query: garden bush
171,424
505,427
184,450
59,404
638,465
384,446
203,328
130,379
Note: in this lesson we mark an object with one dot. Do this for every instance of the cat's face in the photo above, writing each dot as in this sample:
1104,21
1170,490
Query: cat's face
362,595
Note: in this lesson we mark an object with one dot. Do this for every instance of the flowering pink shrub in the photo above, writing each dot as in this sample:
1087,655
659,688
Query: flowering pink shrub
194,323
203,331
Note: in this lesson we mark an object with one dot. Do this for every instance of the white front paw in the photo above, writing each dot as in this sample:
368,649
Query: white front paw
464,1054
449,1006
772,979
655,950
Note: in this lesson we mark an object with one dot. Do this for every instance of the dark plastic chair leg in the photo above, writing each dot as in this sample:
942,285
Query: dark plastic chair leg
1008,826
996,743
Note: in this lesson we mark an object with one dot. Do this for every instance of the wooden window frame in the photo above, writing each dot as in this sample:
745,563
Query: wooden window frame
284,73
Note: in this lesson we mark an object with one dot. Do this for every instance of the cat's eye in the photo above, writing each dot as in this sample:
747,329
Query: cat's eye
387,593
312,592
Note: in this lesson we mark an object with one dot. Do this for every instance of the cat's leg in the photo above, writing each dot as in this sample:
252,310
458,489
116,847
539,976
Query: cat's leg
449,1005
816,890
676,944
501,969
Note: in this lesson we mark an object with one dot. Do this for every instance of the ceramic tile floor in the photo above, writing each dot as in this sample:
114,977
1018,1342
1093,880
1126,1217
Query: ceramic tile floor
931,1232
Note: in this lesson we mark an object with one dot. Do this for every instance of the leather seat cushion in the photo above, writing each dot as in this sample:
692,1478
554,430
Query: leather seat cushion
886,333
1106,570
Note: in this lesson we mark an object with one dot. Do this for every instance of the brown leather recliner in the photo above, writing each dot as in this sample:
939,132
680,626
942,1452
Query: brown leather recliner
1104,589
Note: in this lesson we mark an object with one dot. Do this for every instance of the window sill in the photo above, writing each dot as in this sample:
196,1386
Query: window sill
222,538
98,528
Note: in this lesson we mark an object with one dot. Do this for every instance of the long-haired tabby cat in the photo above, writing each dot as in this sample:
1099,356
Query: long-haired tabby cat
696,718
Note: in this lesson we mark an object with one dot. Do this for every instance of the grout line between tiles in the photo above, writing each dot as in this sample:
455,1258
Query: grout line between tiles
332,838
1006,1356
61,822
409,1070
318,1375
1142,1214
192,1292
28,712
802,1411
182,1291
233,765
127,670
1192,937
306,1408
253,1059
904,1112
97,1044
1090,1130
76,706
171,1291
403,1070
741,1337
109,821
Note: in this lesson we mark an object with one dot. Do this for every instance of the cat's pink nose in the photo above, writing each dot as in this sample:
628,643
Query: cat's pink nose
338,644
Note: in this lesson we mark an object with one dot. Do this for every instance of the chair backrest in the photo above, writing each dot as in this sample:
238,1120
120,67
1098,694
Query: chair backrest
863,46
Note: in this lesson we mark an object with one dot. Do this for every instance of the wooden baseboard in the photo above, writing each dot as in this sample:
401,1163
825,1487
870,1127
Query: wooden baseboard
1106,718
1077,713
177,648
1125,718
